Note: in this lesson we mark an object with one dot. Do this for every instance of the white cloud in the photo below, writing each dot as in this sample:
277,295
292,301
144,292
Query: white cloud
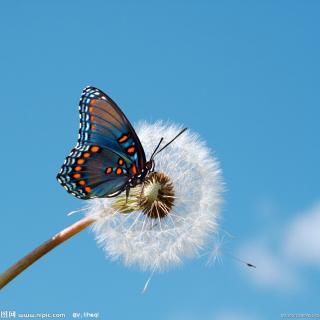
302,237
298,245
271,269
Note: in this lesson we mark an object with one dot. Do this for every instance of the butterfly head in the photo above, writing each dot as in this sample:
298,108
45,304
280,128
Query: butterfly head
150,165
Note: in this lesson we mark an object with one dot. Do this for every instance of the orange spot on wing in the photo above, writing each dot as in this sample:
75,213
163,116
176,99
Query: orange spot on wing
119,171
120,162
90,109
123,138
108,170
78,168
134,169
77,175
86,155
131,150
93,127
95,149
82,182
93,101
87,189
92,118
80,161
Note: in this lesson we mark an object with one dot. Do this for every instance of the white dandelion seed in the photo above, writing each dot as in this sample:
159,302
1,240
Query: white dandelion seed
173,214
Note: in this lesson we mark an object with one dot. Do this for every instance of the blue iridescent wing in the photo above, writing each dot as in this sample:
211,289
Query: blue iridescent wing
108,151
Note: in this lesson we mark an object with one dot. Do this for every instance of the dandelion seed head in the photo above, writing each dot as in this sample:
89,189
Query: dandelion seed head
173,214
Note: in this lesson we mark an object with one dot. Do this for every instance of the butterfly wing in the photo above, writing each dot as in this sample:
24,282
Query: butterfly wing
108,151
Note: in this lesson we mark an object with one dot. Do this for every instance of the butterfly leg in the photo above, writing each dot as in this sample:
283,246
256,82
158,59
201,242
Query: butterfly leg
127,193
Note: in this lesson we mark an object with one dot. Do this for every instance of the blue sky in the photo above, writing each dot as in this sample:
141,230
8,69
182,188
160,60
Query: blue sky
244,74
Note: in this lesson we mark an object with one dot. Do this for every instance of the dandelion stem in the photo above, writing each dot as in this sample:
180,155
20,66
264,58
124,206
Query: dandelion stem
43,249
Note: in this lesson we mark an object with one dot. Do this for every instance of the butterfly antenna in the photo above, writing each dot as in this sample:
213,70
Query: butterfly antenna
155,150
179,134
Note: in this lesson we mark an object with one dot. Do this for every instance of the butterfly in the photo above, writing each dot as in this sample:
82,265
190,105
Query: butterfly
108,158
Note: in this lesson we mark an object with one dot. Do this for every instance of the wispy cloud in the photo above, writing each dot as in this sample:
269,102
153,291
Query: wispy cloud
302,238
272,269
279,264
